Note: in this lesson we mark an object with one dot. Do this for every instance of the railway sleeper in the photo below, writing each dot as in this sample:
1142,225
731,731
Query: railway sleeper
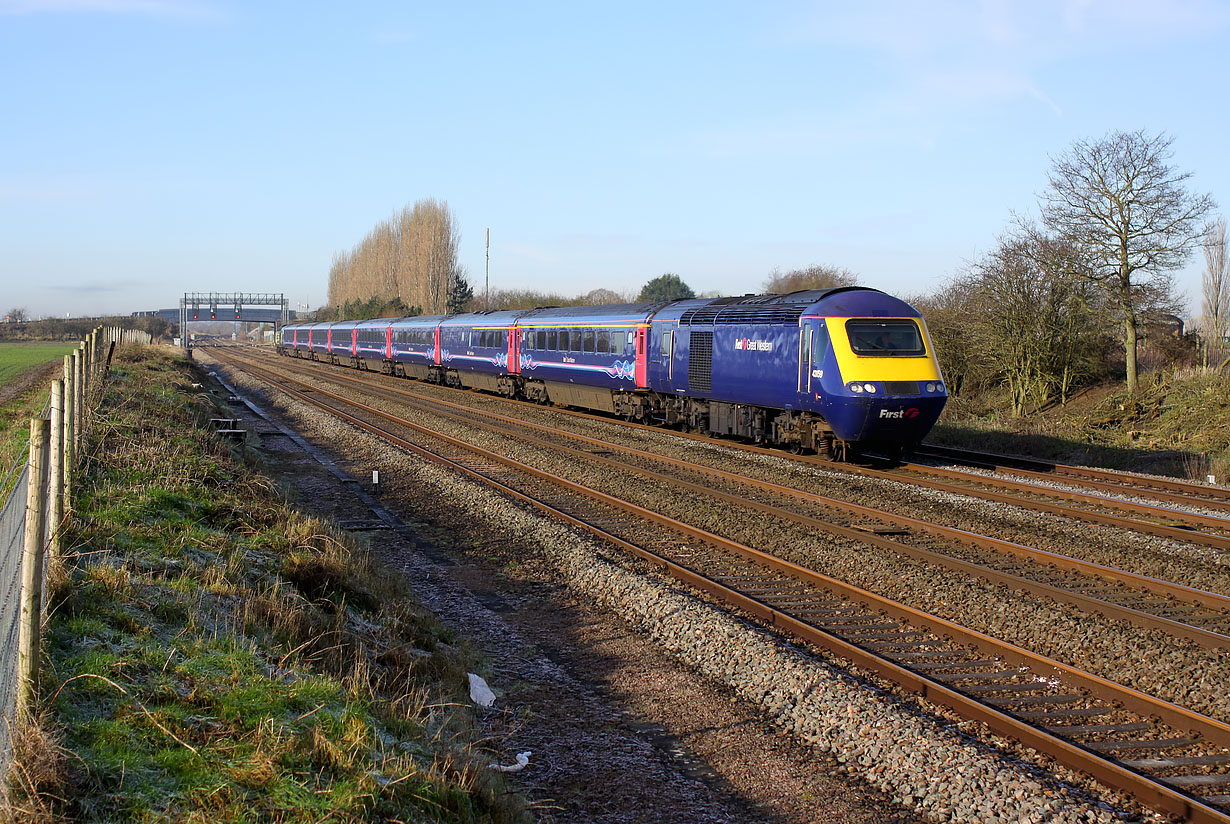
1144,744
1099,729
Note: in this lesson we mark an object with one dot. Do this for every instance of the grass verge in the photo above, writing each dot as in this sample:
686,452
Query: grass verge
215,655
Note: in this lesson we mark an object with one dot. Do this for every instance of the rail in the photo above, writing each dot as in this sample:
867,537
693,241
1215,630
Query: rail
1015,692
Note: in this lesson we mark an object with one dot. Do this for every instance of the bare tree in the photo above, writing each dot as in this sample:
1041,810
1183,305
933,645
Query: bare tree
1215,285
17,314
411,257
816,276
603,297
1127,212
1030,316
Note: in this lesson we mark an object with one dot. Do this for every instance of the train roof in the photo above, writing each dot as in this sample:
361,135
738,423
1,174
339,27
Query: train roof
856,301
409,320
497,317
785,309
545,315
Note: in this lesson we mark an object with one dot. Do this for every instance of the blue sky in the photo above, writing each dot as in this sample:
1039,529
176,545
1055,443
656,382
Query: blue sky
151,147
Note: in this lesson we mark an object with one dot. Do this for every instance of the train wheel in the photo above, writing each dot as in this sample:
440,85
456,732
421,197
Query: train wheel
893,453
833,449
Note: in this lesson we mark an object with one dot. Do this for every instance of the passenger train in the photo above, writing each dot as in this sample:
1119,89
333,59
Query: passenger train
838,371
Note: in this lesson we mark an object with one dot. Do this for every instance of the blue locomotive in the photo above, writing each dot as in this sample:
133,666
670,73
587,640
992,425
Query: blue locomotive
835,370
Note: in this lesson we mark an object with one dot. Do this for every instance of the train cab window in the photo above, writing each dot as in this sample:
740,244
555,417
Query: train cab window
819,343
885,338
589,341
552,339
604,342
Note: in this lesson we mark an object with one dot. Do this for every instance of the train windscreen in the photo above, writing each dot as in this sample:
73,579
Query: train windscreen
885,338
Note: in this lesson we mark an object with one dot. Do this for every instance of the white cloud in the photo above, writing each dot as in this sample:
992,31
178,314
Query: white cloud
956,55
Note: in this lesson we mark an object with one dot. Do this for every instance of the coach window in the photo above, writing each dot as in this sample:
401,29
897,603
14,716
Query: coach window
552,339
604,342
588,341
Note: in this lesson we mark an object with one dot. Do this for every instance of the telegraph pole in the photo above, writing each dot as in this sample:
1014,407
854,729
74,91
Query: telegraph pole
487,289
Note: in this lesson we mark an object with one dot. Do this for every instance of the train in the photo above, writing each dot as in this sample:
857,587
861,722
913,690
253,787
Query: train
841,372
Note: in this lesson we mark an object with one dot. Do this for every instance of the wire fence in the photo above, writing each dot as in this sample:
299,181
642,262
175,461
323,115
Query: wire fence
12,541
22,543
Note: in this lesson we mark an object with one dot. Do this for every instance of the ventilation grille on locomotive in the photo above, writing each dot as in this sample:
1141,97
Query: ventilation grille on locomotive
751,314
700,362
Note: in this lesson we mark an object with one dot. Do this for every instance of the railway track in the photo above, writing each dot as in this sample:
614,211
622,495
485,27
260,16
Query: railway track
1156,520
1181,611
1175,491
1166,756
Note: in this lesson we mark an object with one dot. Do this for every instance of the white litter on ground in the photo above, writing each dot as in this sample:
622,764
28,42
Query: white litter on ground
523,758
480,693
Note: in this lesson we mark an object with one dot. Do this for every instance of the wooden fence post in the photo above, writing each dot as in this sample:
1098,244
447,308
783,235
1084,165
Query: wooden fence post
78,395
70,432
55,487
28,645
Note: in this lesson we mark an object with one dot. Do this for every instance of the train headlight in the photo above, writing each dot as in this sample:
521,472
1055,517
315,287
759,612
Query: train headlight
870,387
930,387
856,388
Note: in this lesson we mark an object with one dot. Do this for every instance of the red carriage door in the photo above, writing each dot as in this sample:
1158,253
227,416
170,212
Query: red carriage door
436,347
329,340
642,359
388,342
514,355
354,341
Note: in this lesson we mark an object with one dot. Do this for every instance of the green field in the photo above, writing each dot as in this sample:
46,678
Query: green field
16,358
17,404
